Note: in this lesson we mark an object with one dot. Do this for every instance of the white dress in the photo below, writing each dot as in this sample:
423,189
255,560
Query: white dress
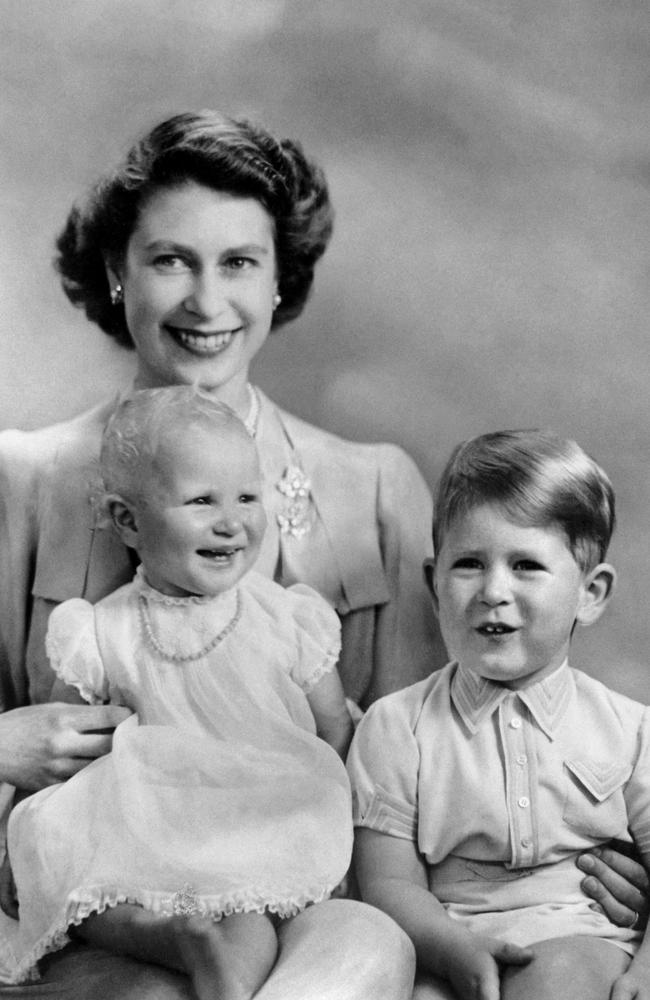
218,795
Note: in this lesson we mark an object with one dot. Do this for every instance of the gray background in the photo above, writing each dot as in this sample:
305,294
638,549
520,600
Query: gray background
490,166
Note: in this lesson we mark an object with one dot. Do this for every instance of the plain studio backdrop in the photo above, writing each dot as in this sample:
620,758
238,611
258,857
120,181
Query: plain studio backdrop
489,161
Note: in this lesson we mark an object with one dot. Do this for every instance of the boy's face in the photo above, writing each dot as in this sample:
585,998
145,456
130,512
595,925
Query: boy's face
202,525
508,596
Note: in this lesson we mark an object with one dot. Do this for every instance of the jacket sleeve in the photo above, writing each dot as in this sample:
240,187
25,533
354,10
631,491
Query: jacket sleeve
396,643
19,517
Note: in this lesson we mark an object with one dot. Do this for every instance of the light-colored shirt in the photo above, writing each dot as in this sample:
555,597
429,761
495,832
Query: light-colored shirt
472,770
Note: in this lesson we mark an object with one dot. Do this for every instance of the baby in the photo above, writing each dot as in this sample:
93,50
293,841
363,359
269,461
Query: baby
219,811
475,790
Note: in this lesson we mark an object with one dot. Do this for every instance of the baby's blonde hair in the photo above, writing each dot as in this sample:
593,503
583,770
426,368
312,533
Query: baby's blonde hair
140,425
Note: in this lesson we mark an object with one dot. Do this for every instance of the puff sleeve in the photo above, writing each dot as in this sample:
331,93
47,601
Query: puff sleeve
383,766
318,636
71,644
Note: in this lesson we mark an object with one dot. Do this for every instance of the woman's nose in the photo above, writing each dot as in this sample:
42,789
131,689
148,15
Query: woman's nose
208,296
495,588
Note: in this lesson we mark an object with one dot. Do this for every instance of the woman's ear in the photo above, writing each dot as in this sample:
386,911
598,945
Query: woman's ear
598,586
112,274
429,568
122,514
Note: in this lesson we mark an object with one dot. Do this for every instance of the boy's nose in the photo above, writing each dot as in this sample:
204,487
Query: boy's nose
495,587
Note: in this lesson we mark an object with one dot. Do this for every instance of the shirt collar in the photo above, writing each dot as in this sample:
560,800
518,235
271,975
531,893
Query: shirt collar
547,700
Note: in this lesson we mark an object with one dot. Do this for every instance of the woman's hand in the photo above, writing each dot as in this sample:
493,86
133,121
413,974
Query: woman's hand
618,884
41,745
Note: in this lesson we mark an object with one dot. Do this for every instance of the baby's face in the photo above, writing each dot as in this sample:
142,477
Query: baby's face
201,526
507,596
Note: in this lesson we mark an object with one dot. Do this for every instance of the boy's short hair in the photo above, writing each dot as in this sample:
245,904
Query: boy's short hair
141,423
537,479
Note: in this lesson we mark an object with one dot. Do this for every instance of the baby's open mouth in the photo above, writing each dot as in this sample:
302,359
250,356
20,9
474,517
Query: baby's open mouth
218,555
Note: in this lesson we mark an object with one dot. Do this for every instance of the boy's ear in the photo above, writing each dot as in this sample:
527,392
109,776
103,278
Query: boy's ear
598,587
429,568
123,517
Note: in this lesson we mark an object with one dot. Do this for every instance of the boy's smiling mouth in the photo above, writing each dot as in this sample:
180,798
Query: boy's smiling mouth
495,628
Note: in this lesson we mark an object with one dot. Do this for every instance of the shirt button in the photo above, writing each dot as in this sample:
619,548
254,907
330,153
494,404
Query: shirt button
526,842
515,723
523,802
522,759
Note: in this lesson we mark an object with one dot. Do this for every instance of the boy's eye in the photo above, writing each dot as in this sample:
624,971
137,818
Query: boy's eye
466,562
528,565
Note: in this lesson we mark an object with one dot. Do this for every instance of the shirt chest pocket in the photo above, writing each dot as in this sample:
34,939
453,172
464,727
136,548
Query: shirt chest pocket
594,803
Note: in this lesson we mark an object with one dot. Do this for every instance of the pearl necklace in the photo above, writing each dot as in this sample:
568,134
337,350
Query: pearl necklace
252,418
145,621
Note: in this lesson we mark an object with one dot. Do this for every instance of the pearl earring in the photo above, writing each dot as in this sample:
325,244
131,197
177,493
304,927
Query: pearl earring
277,299
117,295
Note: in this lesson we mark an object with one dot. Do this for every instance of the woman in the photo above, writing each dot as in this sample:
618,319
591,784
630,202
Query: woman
191,252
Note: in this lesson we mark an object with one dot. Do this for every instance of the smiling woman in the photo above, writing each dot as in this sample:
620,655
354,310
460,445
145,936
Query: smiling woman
197,246
199,282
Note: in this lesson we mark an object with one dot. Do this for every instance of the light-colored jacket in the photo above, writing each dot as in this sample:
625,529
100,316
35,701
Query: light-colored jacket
373,514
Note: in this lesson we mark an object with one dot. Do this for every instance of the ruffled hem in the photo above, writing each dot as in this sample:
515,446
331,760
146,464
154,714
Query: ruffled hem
328,664
216,907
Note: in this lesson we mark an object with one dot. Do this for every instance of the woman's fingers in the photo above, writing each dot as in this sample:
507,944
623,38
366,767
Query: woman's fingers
618,884
44,744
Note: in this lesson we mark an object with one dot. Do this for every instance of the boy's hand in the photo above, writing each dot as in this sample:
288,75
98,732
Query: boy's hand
474,971
630,987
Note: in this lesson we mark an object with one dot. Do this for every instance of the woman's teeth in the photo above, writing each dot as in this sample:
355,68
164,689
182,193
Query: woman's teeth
204,343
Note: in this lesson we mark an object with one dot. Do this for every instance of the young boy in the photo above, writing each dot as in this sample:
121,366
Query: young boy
476,788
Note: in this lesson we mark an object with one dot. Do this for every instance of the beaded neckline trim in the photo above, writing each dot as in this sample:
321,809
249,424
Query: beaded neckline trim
167,654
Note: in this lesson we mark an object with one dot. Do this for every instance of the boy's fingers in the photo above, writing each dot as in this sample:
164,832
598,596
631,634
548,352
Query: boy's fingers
512,954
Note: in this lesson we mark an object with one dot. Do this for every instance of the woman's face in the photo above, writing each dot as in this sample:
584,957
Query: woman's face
199,277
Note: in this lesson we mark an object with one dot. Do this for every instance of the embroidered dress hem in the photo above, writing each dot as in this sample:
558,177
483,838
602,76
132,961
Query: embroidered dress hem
98,900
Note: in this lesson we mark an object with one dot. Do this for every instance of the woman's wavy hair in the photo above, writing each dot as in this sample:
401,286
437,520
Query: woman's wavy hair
538,480
226,154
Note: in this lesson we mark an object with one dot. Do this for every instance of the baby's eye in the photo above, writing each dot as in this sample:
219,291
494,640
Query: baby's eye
201,501
247,498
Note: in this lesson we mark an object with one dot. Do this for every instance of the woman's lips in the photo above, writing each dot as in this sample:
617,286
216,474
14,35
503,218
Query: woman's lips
202,343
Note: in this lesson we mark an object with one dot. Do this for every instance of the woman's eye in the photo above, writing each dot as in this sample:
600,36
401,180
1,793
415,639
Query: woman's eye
170,262
239,263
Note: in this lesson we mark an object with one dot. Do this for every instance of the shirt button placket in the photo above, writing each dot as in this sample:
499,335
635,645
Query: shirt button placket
520,799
